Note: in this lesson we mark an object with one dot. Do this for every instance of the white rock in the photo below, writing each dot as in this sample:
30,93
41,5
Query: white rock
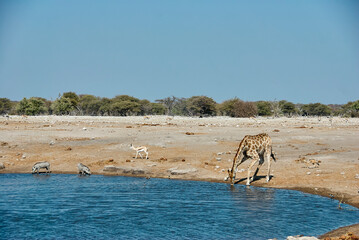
301,238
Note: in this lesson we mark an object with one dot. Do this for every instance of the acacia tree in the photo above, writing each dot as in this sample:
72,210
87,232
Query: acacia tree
264,108
5,105
237,108
89,104
315,109
168,103
32,106
287,108
201,106
62,106
351,109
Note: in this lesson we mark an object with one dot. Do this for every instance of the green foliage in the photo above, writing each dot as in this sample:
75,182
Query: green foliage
74,99
264,108
227,107
5,105
315,109
62,106
157,109
125,108
105,107
169,103
32,106
121,98
201,106
351,109
125,105
287,108
237,108
89,105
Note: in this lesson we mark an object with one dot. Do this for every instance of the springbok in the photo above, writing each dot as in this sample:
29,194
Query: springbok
139,150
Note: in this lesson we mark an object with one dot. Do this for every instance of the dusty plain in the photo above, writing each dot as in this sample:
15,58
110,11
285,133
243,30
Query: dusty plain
314,155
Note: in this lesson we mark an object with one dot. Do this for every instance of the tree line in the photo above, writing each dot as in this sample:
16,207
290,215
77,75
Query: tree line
69,103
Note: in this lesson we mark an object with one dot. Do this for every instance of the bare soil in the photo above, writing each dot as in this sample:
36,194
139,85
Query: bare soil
314,155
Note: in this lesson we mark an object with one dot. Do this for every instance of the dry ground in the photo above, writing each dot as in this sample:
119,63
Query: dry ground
204,147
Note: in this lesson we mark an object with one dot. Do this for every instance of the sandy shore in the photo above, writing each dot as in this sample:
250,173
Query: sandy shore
190,148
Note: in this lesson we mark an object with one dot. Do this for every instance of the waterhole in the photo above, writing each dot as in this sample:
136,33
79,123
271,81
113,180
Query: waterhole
100,207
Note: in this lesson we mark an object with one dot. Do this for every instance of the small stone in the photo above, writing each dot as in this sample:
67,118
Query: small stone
84,128
357,176
2,166
218,159
308,173
52,143
23,156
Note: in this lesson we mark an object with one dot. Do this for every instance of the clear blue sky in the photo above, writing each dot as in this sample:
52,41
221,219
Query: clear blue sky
301,51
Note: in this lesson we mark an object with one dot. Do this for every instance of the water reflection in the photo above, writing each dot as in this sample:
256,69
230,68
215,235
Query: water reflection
41,177
252,196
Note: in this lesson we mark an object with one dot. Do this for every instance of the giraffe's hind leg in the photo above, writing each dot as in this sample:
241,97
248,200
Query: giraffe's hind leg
268,156
261,161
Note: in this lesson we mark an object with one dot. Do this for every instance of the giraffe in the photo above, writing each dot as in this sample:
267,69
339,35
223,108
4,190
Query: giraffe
253,147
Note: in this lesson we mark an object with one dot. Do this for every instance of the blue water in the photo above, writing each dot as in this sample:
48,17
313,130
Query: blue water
99,207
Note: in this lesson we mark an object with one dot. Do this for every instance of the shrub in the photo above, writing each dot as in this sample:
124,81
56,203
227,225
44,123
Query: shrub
5,105
287,108
201,106
62,106
315,109
237,108
264,108
32,106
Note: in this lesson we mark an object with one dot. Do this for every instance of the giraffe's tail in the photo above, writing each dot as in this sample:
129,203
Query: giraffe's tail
272,155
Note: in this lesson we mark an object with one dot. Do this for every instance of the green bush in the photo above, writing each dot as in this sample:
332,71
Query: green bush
264,108
5,105
237,108
315,109
287,108
32,106
201,106
62,106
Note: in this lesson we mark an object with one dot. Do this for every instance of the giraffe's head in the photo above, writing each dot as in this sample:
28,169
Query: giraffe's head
230,175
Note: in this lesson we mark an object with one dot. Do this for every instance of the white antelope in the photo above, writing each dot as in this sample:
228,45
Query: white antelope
139,150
